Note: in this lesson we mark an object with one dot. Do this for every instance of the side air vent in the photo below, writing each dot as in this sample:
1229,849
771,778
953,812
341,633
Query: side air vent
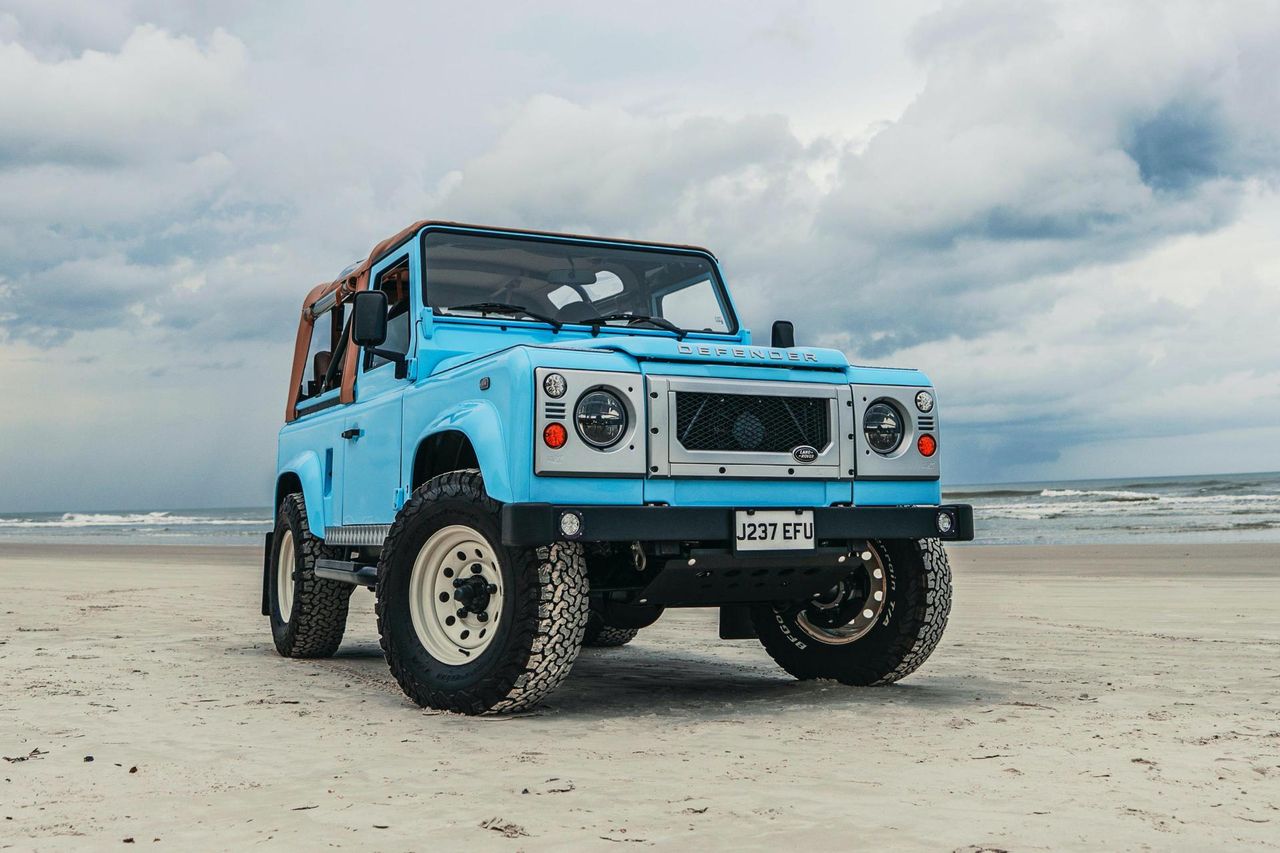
554,411
925,422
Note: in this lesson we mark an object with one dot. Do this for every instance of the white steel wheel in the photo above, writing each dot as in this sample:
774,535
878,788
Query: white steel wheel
284,576
456,594
849,611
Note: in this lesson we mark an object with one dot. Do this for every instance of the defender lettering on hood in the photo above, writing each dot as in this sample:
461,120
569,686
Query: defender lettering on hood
762,353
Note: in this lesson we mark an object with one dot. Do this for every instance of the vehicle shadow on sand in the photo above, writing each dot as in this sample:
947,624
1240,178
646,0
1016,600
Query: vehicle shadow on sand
683,683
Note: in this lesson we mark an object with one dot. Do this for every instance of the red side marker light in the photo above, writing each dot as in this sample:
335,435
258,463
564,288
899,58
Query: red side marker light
555,435
927,445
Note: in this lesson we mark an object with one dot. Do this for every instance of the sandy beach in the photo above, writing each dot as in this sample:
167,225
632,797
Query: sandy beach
1104,697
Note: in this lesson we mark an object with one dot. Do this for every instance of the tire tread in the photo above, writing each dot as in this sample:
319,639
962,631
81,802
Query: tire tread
916,625
602,635
320,605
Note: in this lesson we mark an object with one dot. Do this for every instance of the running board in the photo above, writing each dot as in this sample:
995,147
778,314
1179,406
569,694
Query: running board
346,571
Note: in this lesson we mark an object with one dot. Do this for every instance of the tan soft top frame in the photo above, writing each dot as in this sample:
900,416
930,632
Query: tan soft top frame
357,279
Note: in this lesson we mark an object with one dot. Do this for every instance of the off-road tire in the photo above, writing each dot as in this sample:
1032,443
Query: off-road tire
906,633
601,635
314,629
537,635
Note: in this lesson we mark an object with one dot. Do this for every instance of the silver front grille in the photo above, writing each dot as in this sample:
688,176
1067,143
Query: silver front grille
718,428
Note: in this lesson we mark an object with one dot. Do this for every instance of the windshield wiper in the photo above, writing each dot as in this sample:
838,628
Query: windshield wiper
662,323
506,308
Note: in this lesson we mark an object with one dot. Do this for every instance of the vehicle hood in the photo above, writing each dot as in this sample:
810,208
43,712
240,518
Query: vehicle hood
653,348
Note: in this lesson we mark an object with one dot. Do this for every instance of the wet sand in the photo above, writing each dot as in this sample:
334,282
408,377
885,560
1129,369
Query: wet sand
1104,697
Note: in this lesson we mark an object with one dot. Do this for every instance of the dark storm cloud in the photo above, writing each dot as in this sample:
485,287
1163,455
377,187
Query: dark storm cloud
1183,145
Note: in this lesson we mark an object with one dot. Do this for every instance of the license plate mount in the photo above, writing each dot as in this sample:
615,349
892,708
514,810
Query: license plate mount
757,530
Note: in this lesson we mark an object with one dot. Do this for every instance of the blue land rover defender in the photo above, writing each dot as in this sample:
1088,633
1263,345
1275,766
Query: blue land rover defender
524,442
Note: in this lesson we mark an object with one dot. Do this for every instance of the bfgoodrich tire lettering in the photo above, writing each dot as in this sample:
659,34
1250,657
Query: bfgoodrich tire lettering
317,615
905,634
538,633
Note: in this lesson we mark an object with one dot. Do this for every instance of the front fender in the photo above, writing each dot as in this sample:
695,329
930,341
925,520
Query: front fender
480,422
306,467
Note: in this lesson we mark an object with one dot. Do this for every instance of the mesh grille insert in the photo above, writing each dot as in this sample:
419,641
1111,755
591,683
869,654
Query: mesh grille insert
750,423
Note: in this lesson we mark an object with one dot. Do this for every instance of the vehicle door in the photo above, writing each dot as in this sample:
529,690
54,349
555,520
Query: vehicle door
372,490
320,412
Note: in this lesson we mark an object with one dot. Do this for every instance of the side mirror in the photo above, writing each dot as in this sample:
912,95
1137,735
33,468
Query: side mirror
369,318
784,334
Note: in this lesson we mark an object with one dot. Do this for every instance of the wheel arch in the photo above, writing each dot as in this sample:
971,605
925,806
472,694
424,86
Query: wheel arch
303,473
468,436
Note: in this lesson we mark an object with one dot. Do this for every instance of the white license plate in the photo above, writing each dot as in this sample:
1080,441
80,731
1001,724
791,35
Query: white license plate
773,529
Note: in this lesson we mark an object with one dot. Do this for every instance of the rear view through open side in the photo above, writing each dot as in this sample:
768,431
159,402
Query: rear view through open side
524,442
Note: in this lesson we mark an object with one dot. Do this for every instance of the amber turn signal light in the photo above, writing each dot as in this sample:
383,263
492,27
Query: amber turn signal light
555,435
927,445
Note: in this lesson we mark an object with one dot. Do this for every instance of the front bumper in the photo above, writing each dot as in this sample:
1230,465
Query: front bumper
539,523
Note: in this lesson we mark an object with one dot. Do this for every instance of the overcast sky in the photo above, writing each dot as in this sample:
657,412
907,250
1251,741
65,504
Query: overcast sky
1067,214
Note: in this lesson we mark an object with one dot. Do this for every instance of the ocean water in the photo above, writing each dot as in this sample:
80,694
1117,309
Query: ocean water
228,526
1211,508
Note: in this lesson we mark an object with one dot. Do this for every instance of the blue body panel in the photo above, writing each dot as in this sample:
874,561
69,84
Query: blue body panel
306,465
365,480
750,493
896,492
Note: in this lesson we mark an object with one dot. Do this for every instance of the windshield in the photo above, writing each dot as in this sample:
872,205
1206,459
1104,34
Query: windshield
573,283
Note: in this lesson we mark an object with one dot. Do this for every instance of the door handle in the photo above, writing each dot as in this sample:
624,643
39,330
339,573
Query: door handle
354,432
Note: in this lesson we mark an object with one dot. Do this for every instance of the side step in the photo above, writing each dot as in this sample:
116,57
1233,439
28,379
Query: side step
347,572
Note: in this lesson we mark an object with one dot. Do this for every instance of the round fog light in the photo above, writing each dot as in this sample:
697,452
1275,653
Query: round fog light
945,523
571,524
924,402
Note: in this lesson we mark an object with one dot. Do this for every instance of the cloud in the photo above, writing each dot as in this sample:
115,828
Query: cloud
1181,146
1046,206
102,155
606,168
1046,138
153,95
1176,342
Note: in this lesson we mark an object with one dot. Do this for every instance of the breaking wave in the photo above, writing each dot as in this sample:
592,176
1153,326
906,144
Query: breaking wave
130,519
1090,493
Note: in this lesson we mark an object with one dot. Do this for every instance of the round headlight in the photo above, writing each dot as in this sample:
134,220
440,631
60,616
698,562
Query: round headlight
555,385
924,402
601,419
882,425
